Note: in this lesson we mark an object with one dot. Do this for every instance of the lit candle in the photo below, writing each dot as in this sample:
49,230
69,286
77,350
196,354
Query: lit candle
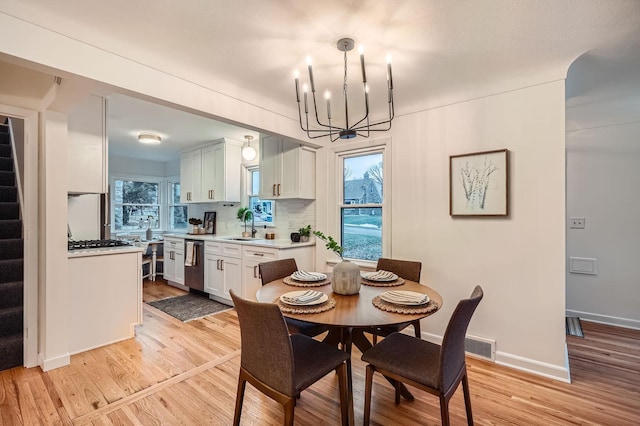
327,96
304,90
296,76
389,75
313,86
364,74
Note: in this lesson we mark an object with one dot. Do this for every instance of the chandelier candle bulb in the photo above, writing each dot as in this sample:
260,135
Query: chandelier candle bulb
313,86
389,75
364,74
304,90
296,76
327,96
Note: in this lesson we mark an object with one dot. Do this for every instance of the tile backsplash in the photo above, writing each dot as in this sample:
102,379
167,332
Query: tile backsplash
289,216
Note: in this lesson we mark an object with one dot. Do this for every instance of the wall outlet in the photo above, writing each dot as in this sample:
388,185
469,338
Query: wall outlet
576,222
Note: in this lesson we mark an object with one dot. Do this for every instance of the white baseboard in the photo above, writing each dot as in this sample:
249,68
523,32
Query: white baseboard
605,319
520,363
57,362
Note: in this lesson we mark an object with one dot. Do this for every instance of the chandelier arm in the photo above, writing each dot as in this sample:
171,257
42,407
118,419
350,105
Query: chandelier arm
315,108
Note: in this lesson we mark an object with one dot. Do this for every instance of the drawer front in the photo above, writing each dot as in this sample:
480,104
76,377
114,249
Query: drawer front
213,247
260,254
232,250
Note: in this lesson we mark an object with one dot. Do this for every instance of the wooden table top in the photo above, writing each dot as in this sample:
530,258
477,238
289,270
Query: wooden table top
350,311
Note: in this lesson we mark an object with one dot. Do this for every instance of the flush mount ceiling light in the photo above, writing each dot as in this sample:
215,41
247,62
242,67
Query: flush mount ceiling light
149,138
362,127
248,152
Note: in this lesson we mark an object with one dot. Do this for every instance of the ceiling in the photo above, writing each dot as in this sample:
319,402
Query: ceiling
444,51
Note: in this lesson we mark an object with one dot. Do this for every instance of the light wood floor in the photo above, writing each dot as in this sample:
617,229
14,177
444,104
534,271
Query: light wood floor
185,373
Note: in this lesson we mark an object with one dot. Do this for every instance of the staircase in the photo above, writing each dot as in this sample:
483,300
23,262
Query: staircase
11,260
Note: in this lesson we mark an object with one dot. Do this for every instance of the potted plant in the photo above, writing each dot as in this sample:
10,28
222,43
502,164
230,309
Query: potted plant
245,214
346,275
194,224
305,233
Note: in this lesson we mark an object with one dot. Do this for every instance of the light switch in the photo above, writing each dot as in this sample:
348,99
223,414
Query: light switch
576,222
583,265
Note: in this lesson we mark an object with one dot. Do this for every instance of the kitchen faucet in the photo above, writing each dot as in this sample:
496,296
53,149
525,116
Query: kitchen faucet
254,231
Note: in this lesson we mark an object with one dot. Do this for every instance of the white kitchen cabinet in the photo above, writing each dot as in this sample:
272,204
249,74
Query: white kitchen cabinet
87,147
252,256
174,260
211,173
222,270
287,169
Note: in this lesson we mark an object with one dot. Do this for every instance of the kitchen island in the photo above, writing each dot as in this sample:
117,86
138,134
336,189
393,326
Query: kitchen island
105,288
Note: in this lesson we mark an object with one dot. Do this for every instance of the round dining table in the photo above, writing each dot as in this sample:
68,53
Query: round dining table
354,314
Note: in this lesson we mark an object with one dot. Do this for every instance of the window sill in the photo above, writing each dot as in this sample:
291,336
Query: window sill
362,264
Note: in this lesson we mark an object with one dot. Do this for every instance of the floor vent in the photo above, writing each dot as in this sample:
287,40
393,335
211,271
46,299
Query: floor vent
480,347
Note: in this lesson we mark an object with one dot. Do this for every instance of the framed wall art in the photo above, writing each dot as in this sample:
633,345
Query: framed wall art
479,184
209,222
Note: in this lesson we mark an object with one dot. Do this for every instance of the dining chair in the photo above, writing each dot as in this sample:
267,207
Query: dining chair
288,364
276,270
409,270
425,365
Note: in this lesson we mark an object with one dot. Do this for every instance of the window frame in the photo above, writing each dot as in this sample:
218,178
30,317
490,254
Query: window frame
334,222
249,170
170,204
164,202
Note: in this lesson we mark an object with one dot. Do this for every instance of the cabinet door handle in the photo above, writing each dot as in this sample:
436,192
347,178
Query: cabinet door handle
258,254
255,272
222,264
213,194
278,189
188,196
274,189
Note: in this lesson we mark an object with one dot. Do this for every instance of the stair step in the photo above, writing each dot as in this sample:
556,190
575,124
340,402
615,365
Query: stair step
11,294
9,211
6,164
8,194
5,138
5,151
10,229
7,178
11,348
11,270
11,320
11,248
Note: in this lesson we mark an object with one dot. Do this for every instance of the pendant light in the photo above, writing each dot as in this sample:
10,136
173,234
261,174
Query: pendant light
248,152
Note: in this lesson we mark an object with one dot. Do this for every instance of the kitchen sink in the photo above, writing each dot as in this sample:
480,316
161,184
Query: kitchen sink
243,239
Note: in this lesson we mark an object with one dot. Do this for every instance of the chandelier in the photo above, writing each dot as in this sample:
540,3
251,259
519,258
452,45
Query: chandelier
362,127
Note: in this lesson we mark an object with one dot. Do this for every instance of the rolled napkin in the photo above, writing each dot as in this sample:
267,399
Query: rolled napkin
303,298
308,276
380,276
404,297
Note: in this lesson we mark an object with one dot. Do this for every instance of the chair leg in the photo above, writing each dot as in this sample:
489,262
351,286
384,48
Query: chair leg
375,338
367,394
397,386
416,328
346,403
289,410
467,398
239,397
444,410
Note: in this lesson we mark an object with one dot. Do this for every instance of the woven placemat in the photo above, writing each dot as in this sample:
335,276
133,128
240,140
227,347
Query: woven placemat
313,309
395,283
291,281
431,306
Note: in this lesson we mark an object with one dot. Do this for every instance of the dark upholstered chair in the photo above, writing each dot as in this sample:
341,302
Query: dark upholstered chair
427,366
409,270
282,365
278,269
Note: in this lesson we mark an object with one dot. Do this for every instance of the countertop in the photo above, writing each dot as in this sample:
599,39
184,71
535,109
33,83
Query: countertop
103,251
258,242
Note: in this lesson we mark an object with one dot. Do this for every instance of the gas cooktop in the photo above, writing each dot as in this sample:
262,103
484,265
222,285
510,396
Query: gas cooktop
92,244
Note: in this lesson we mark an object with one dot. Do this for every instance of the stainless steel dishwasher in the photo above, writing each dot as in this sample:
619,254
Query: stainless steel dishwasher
194,273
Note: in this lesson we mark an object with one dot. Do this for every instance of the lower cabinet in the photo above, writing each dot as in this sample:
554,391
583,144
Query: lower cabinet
174,260
222,269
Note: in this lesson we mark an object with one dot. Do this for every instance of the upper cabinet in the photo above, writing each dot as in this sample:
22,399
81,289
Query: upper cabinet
87,147
287,169
211,173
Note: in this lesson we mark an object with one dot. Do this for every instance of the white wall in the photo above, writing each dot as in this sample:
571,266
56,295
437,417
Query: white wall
518,260
137,167
602,186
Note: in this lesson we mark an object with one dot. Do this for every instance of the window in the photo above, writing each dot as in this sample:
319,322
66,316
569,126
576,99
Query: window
177,212
136,204
361,205
264,210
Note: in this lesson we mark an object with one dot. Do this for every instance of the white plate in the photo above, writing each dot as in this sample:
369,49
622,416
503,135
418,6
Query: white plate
308,276
381,276
404,297
294,294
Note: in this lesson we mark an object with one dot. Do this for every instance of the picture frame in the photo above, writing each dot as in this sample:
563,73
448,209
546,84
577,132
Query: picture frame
479,184
209,222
